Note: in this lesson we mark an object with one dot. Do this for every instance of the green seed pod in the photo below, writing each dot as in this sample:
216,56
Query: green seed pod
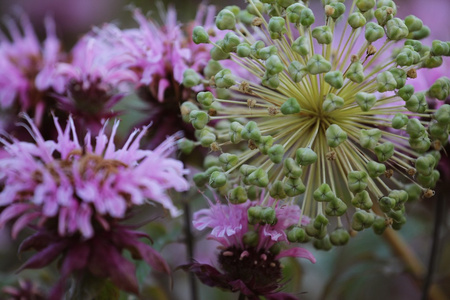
205,98
439,48
356,72
369,14
357,181
256,47
414,128
417,103
296,235
379,225
396,29
271,81
237,195
285,3
430,180
251,239
415,44
276,153
255,8
335,135
254,214
386,203
362,220
388,3
199,119
386,82
413,23
268,216
207,137
420,34
365,100
425,164
339,10
243,50
414,191
365,5
293,12
420,144
301,45
294,187
369,138
440,89
356,20
235,132
274,65
312,231
277,190
305,156
442,115
252,193
211,161
399,76
265,143
199,35
323,34
307,17
335,79
362,200
230,42
406,92
297,71
384,151
200,179
224,79
339,237
323,193
225,20
246,170
290,106
383,15
191,78
335,207
375,169
291,169
397,216
266,52
217,52
251,131
277,27
399,121
234,9
400,196
212,68
317,64
259,178
217,179
432,62
405,57
323,243
332,102
320,222
185,145
373,32
228,160
245,17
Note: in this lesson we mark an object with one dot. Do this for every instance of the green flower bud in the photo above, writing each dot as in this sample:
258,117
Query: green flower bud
386,82
399,76
211,161
294,187
369,138
256,47
339,237
414,128
290,106
365,100
265,143
224,79
399,120
230,42
307,17
301,45
439,48
362,220
255,8
420,34
400,196
243,50
259,178
425,164
383,15
336,207
217,179
237,195
274,65
317,64
388,3
218,53
212,68
235,132
276,153
420,144
277,190
379,225
305,156
362,200
199,119
268,216
285,3
266,52
291,169
296,235
357,181
406,92
356,20
234,9
440,89
442,115
339,10
323,35
251,238
320,222
246,170
200,179
384,151
369,14
191,78
251,131
433,62
207,138
405,57
417,103
225,20
335,79
413,23
252,193
375,169
365,5
297,71
254,214
271,81
245,17
430,180
277,27
373,32
356,72
205,98
332,102
335,135
396,29
415,44
185,145
414,191
323,193
386,203
397,217
293,12
199,35
323,243
228,160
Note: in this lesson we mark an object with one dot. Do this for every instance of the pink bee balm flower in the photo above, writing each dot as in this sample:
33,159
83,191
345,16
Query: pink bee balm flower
250,251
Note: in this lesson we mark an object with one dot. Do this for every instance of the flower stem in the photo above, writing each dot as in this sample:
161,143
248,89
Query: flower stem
189,243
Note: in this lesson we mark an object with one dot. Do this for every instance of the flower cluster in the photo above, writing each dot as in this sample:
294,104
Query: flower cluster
327,121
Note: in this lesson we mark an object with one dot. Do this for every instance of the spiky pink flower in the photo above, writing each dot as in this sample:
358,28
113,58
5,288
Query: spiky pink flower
249,255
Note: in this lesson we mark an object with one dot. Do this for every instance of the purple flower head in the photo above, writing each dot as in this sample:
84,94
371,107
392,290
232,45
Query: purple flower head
27,290
249,252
